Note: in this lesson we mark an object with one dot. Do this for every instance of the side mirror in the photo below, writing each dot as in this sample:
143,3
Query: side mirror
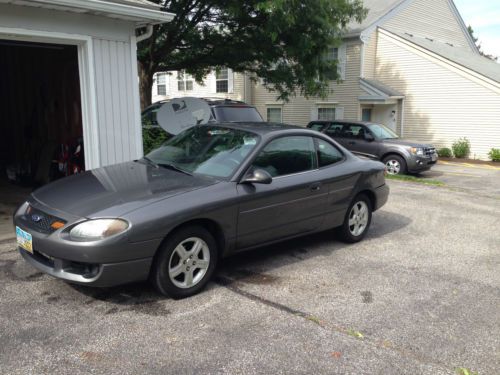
257,176
369,137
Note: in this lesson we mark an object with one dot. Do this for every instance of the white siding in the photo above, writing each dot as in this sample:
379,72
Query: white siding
431,19
442,103
345,95
116,109
369,56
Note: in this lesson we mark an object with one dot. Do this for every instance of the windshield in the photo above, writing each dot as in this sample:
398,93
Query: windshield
208,150
237,114
382,132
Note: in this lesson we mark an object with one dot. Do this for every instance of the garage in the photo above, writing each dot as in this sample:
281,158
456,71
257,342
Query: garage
40,109
69,95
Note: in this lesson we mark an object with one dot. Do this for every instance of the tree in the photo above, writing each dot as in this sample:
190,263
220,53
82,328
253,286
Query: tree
280,41
478,44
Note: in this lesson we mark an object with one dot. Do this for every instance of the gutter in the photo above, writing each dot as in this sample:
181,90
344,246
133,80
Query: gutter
101,6
147,34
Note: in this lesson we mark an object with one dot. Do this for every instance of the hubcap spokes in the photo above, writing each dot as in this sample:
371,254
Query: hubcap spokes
358,218
189,262
393,166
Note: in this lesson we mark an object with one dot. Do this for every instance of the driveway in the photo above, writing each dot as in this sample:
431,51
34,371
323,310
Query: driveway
421,295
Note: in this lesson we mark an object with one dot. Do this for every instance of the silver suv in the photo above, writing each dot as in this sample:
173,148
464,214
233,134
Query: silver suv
379,142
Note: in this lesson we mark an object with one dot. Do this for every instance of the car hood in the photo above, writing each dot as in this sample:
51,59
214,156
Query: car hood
406,142
117,189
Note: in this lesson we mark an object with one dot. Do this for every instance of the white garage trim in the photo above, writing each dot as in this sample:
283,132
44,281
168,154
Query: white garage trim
87,81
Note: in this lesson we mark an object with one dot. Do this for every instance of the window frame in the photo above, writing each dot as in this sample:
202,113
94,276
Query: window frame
326,108
274,107
217,80
184,78
164,84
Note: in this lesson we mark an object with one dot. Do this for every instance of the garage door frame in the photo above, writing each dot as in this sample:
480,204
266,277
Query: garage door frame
87,81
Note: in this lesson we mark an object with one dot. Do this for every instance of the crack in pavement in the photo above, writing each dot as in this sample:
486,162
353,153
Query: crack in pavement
232,285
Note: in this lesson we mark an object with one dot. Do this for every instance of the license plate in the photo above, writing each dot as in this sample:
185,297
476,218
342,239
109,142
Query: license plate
434,157
24,240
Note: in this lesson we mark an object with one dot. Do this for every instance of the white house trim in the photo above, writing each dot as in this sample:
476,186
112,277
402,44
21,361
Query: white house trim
462,25
136,95
366,33
115,10
87,81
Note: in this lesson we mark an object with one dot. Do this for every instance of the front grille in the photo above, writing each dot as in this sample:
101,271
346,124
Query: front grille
429,151
41,220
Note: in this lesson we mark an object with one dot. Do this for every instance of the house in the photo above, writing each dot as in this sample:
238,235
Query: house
68,71
412,65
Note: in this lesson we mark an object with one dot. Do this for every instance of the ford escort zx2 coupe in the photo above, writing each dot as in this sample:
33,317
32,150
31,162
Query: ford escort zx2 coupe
210,191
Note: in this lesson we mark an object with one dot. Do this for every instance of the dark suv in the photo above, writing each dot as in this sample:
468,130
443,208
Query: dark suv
223,110
379,142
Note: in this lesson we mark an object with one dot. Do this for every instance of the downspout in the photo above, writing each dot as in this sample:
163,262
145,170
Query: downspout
146,35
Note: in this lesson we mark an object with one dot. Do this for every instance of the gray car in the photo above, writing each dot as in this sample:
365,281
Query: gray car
379,142
208,192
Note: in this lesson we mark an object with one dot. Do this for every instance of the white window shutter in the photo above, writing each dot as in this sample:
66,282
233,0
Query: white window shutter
339,113
212,82
230,81
342,61
314,113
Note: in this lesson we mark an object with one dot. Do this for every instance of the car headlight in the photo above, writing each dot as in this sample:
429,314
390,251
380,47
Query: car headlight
417,151
99,229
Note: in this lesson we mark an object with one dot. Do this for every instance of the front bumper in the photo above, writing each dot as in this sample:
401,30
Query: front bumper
99,275
419,164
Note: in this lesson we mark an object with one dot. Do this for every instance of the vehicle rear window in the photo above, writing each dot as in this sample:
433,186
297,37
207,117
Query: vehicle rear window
334,130
237,114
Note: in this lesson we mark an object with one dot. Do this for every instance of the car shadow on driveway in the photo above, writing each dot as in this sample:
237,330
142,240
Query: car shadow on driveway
252,267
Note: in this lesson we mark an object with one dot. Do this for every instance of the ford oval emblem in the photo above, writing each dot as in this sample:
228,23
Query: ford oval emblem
36,218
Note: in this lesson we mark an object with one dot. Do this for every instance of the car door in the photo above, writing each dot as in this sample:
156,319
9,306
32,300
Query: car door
355,139
292,204
335,132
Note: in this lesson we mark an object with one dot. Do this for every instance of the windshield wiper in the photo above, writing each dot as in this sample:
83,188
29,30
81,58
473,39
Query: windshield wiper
149,161
174,167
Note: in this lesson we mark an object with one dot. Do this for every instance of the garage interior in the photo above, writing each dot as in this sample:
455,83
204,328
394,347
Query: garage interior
40,119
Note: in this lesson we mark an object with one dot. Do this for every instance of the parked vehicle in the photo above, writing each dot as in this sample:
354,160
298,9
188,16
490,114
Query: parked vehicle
222,110
376,141
208,192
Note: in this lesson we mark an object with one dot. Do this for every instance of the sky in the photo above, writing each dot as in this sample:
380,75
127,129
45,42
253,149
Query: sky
484,17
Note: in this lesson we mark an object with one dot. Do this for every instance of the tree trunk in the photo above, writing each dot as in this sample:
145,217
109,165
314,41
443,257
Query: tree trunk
145,85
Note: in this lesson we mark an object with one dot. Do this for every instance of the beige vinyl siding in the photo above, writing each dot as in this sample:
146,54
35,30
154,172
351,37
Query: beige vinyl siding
442,103
370,56
431,19
202,90
345,95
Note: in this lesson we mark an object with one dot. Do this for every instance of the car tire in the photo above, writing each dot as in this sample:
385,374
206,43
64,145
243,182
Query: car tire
357,220
395,164
185,262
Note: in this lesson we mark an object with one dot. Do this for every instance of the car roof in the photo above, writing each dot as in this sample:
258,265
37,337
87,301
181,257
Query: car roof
343,122
212,102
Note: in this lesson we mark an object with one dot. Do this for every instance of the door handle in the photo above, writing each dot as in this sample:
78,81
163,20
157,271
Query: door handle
315,187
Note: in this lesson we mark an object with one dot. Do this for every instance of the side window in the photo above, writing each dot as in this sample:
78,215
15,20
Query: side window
328,154
287,155
354,131
334,130
316,126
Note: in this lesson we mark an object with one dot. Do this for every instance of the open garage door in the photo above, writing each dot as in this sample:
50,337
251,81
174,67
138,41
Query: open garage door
40,112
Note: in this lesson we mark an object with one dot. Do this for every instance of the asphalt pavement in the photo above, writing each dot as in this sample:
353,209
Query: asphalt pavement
421,295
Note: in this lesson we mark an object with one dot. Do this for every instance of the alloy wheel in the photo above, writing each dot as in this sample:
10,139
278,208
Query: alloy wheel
393,166
189,262
358,218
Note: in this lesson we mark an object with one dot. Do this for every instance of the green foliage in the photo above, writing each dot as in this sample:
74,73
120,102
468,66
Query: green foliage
461,148
465,371
153,137
494,154
282,41
445,152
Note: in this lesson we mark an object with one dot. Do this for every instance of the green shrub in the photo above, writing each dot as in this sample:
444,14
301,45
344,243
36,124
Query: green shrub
153,137
461,148
494,154
445,153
